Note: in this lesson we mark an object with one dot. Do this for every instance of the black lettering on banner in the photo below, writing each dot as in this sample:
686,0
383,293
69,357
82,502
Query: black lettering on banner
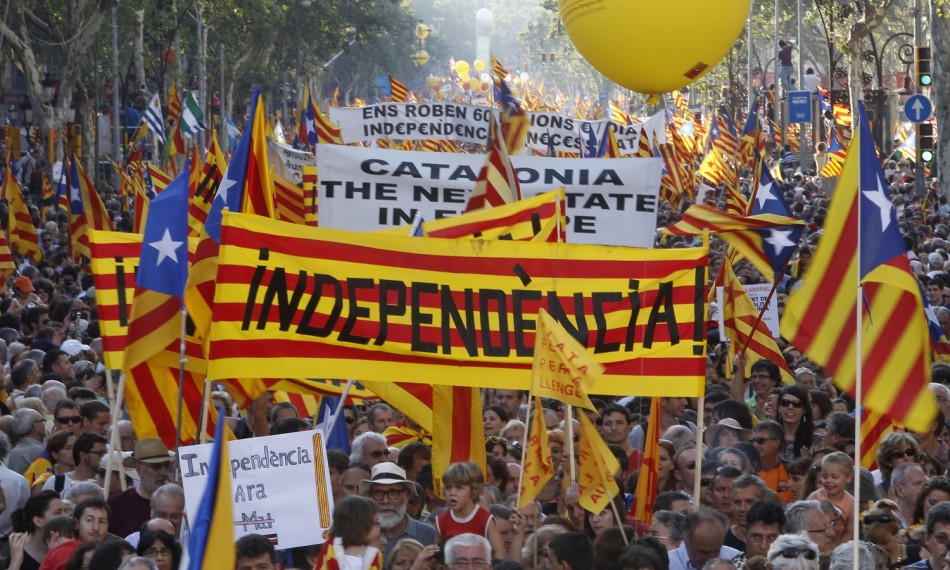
387,308
646,203
262,255
662,311
353,284
584,224
419,318
123,303
521,324
699,311
367,167
634,298
286,308
320,280
556,310
486,298
466,329
597,302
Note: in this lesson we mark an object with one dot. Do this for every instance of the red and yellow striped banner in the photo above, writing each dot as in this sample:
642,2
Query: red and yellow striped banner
454,312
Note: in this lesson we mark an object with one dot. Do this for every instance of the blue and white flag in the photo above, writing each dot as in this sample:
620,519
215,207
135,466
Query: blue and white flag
153,116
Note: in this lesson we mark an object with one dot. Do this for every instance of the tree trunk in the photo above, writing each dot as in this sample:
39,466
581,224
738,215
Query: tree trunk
940,59
139,56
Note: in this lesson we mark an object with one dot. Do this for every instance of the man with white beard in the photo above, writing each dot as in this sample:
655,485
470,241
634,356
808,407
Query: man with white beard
389,487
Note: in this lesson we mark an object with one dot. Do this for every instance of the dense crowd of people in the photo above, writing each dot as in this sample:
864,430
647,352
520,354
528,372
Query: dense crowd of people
775,477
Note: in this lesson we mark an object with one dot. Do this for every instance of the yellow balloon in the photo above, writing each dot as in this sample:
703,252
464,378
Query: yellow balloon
479,64
462,67
653,47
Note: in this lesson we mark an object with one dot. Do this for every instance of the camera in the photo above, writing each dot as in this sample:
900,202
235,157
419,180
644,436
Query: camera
75,314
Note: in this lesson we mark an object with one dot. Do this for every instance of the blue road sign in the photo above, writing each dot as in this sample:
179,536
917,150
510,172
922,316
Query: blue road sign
918,108
799,107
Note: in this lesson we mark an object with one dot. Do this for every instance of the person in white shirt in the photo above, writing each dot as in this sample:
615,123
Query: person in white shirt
811,80
703,536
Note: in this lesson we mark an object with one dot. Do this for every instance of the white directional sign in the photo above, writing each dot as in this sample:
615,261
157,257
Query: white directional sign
918,108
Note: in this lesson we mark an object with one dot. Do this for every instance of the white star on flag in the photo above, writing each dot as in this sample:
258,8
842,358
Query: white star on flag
167,247
880,200
764,195
778,239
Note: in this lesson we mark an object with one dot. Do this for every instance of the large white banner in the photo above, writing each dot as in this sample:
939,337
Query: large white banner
469,123
610,201
280,485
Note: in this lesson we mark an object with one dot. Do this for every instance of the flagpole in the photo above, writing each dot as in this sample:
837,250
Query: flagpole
205,411
859,352
114,434
524,443
697,472
569,417
339,408
181,375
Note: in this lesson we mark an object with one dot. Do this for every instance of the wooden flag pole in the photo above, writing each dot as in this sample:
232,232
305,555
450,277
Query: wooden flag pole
181,376
524,445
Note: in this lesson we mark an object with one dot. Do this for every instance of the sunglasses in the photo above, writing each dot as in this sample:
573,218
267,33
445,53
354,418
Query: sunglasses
873,519
808,554
759,440
797,404
906,453
350,419
69,420
705,481
496,439
378,453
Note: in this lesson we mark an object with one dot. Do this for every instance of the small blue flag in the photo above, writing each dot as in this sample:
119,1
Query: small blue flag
163,264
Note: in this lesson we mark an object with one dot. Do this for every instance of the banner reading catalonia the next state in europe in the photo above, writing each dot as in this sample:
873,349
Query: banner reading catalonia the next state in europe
296,301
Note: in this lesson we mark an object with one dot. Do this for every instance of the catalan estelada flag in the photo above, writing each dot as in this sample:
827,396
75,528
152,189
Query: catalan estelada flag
159,179
759,238
862,247
204,185
114,261
836,156
22,232
744,328
210,545
648,480
874,428
537,465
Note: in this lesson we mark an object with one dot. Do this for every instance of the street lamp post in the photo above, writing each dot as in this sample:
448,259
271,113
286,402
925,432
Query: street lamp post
905,53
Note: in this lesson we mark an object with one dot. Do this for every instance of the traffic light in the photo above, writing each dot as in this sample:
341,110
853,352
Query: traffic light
924,76
75,139
925,143
544,58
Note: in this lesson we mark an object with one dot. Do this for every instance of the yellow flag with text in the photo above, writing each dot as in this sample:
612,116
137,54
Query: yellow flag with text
538,468
597,466
562,368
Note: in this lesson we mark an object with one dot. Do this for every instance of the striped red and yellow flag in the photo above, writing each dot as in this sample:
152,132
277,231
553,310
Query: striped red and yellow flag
151,391
413,400
820,317
874,428
457,430
400,93
204,186
49,195
140,203
531,219
648,480
675,186
159,179
744,233
538,468
289,201
679,103
114,261
310,194
498,70
22,232
745,329
497,183
842,114
293,251
7,265
644,150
